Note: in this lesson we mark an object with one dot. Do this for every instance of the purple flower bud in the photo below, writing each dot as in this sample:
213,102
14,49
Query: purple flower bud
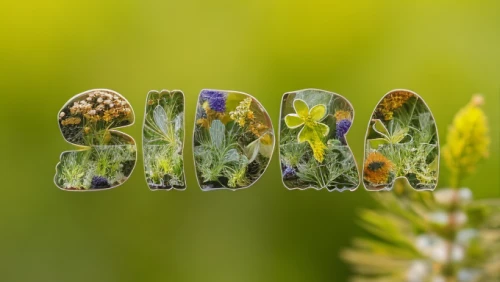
342,128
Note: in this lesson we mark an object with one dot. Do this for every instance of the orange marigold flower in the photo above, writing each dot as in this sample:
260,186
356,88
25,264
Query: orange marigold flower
377,168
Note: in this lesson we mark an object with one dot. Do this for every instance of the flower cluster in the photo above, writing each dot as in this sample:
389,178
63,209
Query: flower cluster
242,113
391,102
378,168
97,106
244,116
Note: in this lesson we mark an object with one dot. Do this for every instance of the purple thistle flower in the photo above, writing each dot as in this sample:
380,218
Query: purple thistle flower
99,182
216,100
289,172
342,128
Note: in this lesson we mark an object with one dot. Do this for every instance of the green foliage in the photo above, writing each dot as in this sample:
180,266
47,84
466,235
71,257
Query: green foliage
110,161
291,151
337,171
218,155
409,141
164,168
163,140
77,169
72,170
164,120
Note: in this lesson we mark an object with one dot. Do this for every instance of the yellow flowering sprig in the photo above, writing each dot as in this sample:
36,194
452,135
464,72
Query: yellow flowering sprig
245,117
242,113
467,141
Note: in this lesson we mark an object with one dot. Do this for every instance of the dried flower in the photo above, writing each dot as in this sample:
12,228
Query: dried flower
377,168
392,102
71,121
107,117
342,114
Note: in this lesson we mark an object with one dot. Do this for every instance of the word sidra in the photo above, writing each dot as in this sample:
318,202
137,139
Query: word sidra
234,140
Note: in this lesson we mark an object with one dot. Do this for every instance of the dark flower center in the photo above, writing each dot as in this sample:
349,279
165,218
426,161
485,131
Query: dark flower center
374,166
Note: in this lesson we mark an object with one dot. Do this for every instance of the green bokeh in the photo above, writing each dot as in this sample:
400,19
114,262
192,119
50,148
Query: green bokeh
52,50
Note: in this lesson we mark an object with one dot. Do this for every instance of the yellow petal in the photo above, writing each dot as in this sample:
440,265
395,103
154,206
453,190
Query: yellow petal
322,129
305,134
293,121
301,108
318,112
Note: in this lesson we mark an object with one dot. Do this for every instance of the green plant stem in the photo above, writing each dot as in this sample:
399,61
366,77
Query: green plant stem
449,272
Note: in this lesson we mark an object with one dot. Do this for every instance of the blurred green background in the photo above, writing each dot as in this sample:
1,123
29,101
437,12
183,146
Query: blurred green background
52,50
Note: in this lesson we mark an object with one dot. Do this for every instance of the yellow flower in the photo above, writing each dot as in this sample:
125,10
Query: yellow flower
211,115
71,121
206,106
108,116
392,102
257,128
313,130
377,168
467,141
318,148
242,114
241,121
